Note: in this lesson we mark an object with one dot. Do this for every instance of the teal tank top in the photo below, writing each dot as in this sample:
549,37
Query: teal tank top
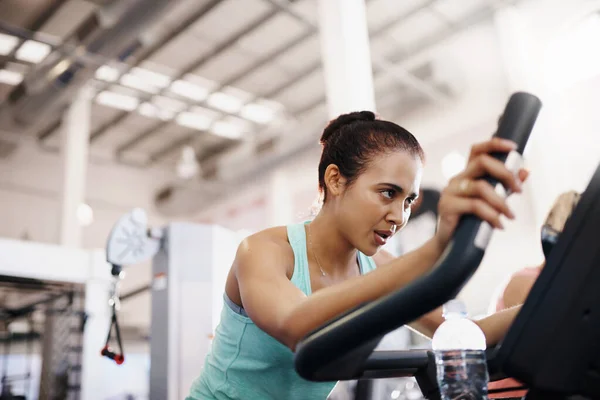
245,363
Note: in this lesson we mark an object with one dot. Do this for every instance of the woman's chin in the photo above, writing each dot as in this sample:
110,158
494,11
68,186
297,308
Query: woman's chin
370,250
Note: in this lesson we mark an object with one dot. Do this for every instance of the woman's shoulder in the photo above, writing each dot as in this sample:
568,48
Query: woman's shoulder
274,236
272,241
266,247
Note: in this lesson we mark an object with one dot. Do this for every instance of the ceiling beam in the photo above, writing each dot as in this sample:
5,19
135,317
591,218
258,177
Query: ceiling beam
160,154
205,59
312,68
312,29
35,26
395,71
149,52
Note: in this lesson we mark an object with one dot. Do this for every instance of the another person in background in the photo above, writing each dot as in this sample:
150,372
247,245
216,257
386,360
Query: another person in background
517,289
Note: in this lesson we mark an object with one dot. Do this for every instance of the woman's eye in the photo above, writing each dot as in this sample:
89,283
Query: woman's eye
410,201
388,194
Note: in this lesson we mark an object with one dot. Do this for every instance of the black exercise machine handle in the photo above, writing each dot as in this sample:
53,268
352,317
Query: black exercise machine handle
116,357
106,351
339,349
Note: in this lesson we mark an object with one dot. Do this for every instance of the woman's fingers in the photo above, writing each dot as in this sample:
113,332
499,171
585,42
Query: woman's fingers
523,175
494,145
482,190
485,164
456,205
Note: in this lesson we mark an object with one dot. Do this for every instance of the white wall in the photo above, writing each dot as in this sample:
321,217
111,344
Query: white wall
30,183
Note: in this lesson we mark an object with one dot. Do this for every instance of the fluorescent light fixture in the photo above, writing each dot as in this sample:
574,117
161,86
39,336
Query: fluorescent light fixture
7,43
226,130
258,113
193,120
32,51
231,128
107,73
205,112
189,90
136,82
10,77
225,102
452,164
117,100
151,111
151,77
168,103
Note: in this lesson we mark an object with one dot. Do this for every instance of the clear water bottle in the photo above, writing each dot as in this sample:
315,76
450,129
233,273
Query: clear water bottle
459,348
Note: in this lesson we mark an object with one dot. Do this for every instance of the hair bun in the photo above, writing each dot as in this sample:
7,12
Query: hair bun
345,119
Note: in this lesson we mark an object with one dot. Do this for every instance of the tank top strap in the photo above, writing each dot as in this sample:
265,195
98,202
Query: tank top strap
297,238
367,264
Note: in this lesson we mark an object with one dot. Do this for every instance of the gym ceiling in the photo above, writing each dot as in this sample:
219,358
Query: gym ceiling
210,74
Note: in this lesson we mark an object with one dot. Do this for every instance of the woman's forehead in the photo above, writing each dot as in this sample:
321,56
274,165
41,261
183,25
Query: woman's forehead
399,167
397,163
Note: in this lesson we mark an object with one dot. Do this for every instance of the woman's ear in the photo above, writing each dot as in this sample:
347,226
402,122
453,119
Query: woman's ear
334,181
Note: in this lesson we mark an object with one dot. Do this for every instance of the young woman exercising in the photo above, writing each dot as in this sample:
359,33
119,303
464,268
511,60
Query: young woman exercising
287,281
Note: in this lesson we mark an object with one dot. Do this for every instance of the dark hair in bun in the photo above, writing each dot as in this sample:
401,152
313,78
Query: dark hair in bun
345,119
352,140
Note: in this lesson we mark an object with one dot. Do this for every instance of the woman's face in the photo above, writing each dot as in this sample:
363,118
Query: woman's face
378,203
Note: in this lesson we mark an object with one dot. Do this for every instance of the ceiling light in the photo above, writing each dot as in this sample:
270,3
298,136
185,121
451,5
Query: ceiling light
169,103
231,128
453,164
136,82
151,111
10,77
189,90
193,120
258,113
151,77
7,44
117,100
225,102
226,130
32,51
205,112
106,73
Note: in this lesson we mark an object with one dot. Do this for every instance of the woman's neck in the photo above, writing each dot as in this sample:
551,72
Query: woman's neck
332,251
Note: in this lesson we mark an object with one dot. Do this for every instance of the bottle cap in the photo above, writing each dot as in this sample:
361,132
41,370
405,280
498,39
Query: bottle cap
455,308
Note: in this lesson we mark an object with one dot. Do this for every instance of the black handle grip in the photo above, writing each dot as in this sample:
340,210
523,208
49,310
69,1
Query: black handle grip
339,349
117,358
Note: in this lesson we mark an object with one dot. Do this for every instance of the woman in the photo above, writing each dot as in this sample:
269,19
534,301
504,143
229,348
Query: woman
287,281
521,282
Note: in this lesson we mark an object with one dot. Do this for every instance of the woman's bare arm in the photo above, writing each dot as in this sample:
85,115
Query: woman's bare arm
494,326
284,312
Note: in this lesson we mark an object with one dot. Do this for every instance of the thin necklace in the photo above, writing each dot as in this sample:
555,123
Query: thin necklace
313,251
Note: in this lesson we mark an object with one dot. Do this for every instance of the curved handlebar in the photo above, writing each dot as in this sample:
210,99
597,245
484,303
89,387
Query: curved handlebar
338,350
